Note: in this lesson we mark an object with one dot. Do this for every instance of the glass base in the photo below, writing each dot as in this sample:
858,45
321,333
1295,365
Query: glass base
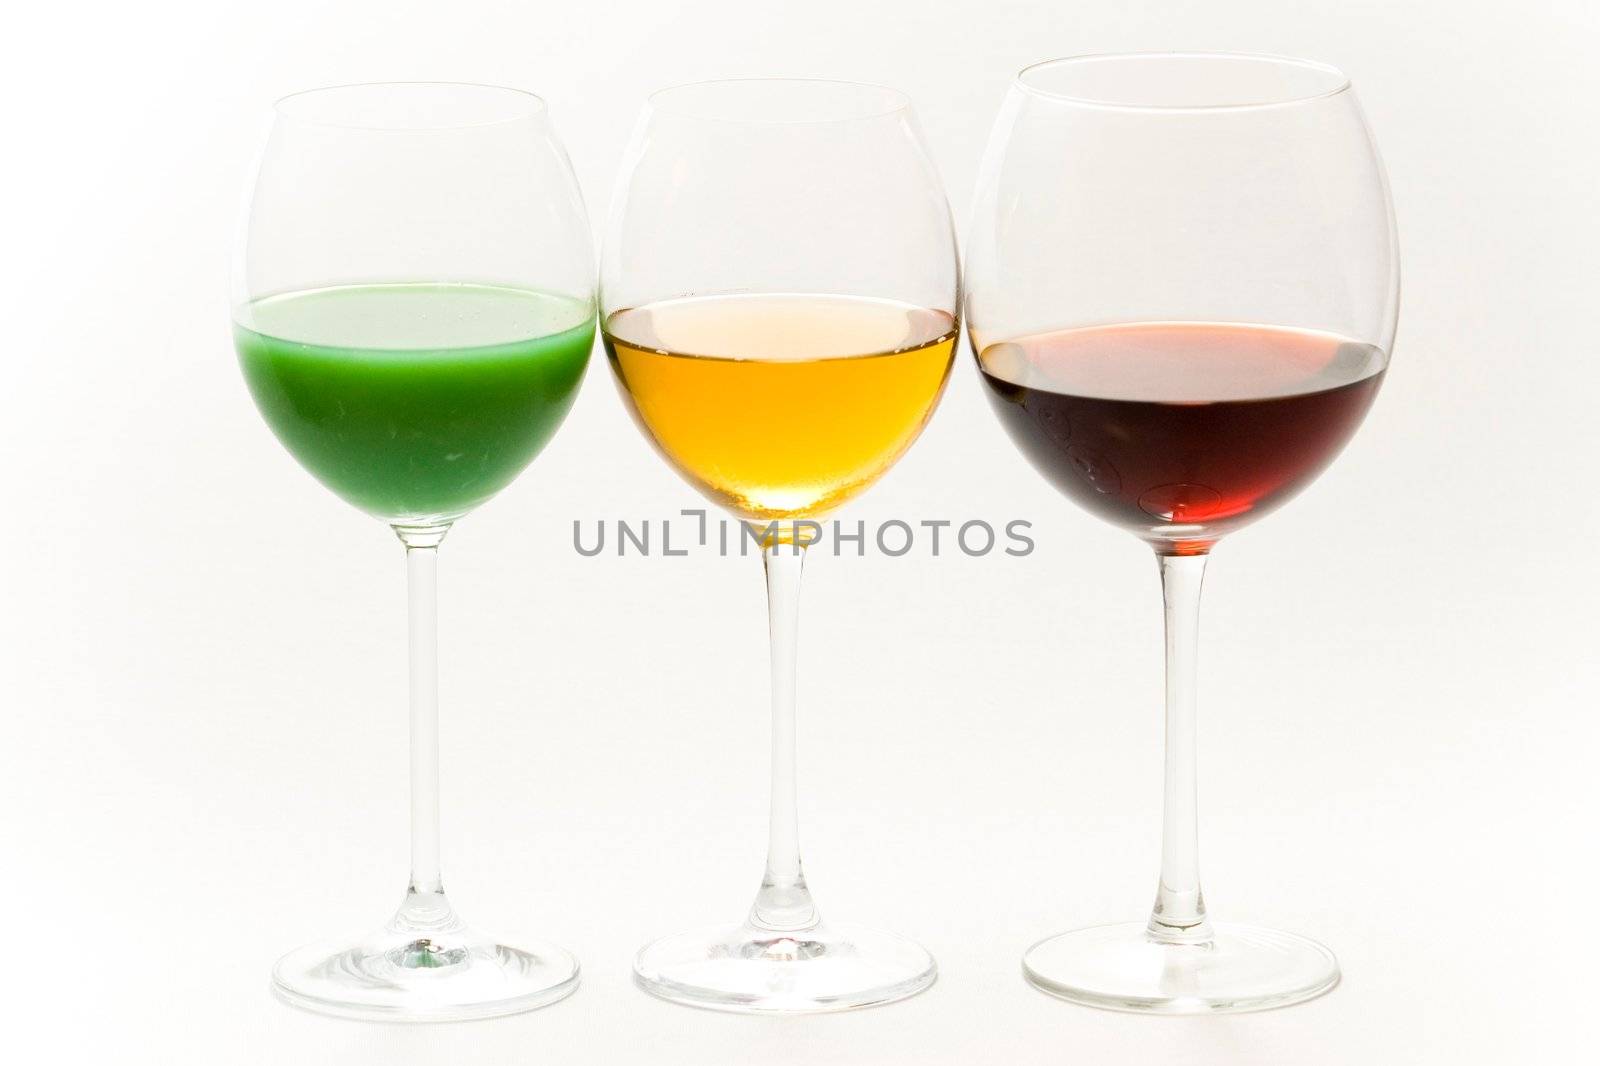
398,975
1121,967
758,971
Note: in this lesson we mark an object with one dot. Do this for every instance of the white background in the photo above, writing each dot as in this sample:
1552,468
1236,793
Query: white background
203,681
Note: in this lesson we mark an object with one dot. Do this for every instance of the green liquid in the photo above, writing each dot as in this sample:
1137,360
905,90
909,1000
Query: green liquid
415,403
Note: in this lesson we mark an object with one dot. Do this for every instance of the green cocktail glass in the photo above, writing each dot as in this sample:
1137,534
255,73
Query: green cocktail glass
413,312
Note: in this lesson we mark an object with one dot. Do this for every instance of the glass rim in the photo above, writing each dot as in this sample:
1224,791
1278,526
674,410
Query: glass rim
1339,85
894,101
532,106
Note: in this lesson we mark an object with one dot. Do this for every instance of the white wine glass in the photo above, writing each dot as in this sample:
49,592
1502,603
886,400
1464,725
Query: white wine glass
779,304
413,313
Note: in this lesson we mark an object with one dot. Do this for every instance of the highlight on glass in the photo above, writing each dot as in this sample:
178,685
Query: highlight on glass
1183,284
780,308
413,313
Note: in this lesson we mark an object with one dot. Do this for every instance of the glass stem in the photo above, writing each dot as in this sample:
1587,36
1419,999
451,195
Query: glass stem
425,906
784,903
1179,916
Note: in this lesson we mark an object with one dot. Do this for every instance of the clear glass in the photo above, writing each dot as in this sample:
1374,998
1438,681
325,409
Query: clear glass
780,294
413,310
1183,284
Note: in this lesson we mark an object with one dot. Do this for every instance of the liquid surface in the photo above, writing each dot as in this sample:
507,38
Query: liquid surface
1181,432
415,403
781,406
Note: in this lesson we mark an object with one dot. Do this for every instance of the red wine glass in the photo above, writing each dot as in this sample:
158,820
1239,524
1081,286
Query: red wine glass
1183,284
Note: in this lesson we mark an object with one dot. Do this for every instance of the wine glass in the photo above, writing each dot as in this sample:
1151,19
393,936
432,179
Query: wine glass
413,312
1183,284
780,307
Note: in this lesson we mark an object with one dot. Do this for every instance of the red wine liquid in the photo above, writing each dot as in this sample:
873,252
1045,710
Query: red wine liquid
1179,431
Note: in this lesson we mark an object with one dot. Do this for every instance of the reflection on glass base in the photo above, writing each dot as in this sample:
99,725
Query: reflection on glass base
1120,967
403,976
757,971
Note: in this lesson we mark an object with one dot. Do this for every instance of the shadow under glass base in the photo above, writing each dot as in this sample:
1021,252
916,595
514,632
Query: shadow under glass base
746,969
400,975
1121,967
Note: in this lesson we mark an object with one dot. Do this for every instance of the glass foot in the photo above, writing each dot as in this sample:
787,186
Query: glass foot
1120,967
400,975
758,971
